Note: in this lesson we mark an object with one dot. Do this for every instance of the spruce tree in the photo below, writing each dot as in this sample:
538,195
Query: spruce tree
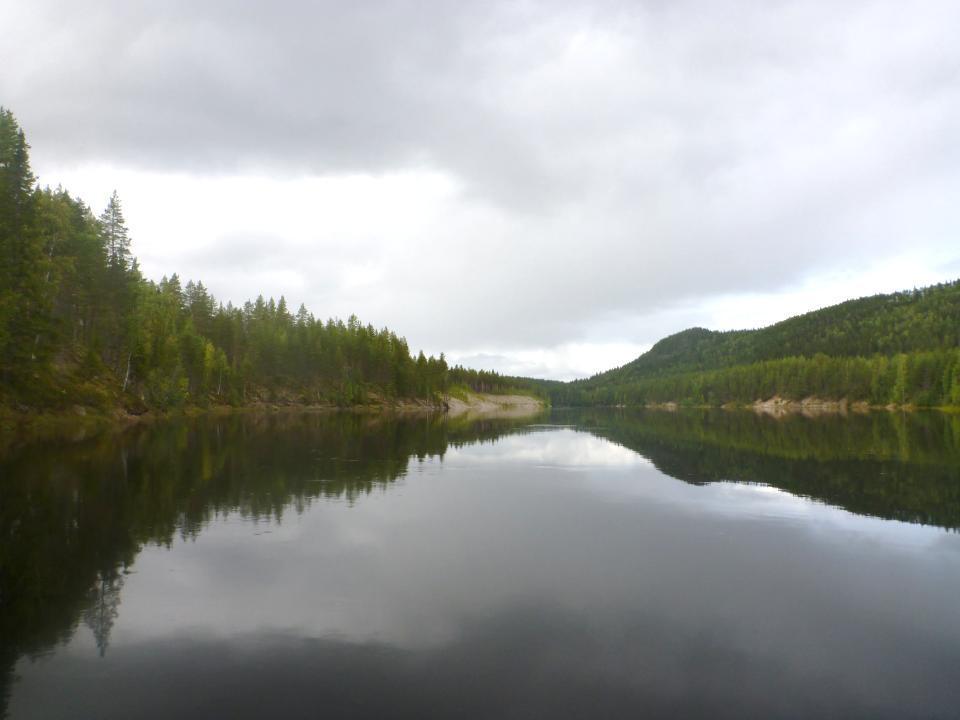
116,238
24,312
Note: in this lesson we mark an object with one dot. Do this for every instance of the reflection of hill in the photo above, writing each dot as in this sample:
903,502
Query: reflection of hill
72,518
894,466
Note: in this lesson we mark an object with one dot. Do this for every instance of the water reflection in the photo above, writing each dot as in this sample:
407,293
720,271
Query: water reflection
557,447
896,466
378,566
74,518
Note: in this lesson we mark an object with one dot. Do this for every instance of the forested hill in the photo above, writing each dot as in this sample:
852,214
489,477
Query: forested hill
81,326
899,348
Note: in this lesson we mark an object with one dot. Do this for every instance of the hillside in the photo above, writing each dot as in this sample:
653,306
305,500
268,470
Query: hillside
899,348
82,329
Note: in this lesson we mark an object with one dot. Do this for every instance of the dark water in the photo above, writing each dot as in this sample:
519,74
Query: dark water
578,565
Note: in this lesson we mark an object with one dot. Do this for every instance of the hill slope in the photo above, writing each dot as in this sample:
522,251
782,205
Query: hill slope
896,348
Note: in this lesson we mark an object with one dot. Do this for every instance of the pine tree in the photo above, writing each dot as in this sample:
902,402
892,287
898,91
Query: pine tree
115,235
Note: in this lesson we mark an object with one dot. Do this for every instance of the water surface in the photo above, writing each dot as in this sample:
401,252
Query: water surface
575,565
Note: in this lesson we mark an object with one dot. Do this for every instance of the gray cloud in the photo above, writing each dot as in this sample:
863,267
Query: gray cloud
614,160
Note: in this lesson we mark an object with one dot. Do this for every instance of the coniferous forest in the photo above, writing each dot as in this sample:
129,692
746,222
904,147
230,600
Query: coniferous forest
896,349
691,449
81,325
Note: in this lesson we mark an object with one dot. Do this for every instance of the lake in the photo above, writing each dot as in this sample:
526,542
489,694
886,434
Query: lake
576,564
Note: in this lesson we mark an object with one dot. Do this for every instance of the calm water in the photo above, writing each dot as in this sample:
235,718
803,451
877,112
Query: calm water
575,565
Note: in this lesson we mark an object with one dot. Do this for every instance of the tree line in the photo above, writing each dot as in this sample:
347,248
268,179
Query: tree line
924,379
81,325
900,348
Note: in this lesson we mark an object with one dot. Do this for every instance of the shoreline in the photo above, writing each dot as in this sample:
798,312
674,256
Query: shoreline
19,427
490,405
778,406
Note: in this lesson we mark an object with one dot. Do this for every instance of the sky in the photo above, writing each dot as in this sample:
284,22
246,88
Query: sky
537,188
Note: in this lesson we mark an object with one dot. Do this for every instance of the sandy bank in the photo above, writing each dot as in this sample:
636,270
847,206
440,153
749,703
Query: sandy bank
486,405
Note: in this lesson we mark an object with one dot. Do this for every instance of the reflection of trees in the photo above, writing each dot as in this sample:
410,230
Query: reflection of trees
72,517
102,612
895,466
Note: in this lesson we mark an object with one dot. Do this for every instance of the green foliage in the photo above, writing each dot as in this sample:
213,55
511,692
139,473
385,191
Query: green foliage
487,381
24,300
903,322
166,389
74,308
71,291
926,379
888,349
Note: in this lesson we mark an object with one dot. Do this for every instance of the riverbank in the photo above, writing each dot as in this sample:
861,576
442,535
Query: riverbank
487,405
18,426
777,406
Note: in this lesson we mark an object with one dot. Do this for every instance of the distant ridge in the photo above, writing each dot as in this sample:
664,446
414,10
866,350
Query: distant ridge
865,342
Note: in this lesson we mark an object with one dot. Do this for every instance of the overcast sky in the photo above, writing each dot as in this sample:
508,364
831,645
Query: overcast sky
539,188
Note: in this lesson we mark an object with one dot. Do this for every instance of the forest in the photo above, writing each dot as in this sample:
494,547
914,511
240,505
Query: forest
81,326
896,349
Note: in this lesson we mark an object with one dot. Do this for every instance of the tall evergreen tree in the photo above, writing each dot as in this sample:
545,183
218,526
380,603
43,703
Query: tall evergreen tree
23,312
116,237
